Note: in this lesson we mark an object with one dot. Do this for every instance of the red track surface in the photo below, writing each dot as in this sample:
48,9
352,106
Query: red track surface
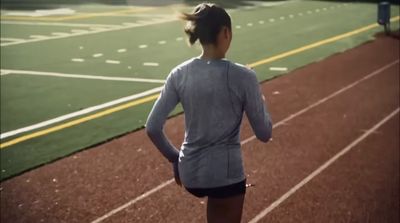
360,186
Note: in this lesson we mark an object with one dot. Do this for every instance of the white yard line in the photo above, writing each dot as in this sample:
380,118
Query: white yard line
282,122
11,39
293,190
113,61
81,76
158,21
81,112
58,24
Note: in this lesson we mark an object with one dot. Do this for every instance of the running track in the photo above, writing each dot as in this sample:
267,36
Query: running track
327,107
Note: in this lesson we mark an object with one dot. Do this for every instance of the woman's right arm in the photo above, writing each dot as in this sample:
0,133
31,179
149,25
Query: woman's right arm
256,110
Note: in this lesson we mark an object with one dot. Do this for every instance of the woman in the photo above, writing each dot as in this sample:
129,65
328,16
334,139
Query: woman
214,93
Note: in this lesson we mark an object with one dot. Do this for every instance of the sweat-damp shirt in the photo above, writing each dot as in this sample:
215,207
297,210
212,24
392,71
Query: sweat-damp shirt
214,95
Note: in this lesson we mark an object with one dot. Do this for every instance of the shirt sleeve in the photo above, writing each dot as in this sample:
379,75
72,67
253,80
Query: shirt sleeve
256,109
165,103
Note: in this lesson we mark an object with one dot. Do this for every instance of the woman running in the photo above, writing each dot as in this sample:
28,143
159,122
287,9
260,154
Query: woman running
214,93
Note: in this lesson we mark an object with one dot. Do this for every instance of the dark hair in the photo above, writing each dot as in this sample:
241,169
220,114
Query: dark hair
205,23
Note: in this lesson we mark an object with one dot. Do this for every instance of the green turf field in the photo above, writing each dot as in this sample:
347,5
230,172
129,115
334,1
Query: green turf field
75,80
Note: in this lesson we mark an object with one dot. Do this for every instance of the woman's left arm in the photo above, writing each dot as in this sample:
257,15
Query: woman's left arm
165,103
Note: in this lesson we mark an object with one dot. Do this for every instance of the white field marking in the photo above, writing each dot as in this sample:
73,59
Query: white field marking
324,9
323,167
291,16
77,60
317,10
83,76
79,31
300,14
151,64
112,29
98,28
2,73
81,112
261,22
282,122
59,34
113,61
309,12
38,36
141,197
162,42
57,24
121,50
40,13
128,23
11,39
282,17
98,55
81,47
249,24
272,20
238,27
142,46
278,68
179,38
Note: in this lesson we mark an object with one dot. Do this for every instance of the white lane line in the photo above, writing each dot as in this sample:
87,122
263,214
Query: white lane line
282,18
142,46
11,39
309,12
238,27
322,167
2,73
162,42
282,122
121,50
81,112
179,38
151,64
78,60
317,10
328,97
300,14
291,16
113,61
249,24
79,31
141,197
59,34
271,20
57,24
278,68
261,22
112,29
97,55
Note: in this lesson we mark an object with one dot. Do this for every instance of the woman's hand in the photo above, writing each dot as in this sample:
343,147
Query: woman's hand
176,173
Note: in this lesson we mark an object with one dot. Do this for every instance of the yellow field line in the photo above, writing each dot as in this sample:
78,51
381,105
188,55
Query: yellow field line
153,97
78,16
79,121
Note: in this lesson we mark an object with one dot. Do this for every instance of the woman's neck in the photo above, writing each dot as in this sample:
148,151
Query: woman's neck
210,52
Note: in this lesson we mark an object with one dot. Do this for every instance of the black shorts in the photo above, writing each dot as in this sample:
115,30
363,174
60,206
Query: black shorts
220,192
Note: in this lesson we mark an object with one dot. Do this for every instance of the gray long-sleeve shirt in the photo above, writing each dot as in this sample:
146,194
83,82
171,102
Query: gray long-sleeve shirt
214,94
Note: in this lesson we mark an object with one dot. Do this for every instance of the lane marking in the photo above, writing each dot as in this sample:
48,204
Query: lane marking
83,76
113,61
282,18
151,64
59,34
267,60
162,42
141,197
278,68
77,60
249,24
57,24
179,38
322,167
261,22
142,46
79,31
38,36
121,50
238,27
152,92
282,122
291,16
112,29
317,44
300,14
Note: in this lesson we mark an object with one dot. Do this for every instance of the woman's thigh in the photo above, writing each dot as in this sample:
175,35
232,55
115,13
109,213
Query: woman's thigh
221,210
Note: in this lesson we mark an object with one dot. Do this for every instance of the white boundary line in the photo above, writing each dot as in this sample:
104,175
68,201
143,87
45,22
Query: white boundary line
58,24
81,112
81,76
11,39
322,167
166,183
134,25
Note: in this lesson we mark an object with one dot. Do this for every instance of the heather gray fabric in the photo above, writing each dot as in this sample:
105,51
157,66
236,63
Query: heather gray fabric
214,94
